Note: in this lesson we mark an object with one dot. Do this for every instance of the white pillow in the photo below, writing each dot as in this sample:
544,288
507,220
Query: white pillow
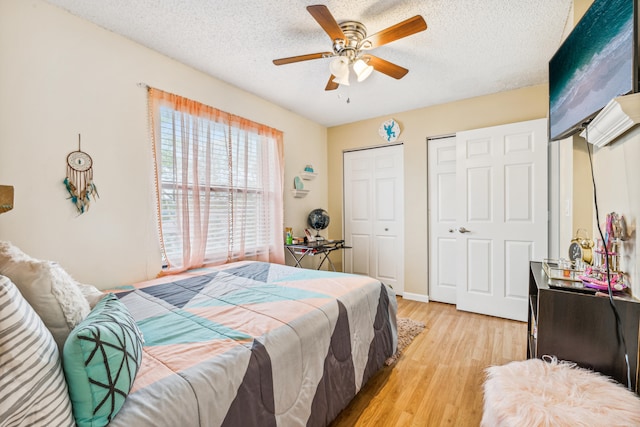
34,391
49,289
92,294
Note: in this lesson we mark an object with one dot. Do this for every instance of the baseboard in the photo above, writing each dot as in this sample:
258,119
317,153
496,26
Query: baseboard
415,297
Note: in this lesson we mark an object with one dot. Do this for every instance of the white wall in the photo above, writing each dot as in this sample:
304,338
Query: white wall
60,76
617,177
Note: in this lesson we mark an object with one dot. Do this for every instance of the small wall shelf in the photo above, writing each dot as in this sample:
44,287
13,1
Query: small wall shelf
299,193
308,176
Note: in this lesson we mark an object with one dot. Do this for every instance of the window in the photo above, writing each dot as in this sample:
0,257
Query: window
219,184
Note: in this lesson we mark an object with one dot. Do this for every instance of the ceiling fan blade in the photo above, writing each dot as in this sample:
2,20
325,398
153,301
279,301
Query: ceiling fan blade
299,58
326,20
331,85
386,67
395,32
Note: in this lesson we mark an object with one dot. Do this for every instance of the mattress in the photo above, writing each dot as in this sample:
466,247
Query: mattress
255,344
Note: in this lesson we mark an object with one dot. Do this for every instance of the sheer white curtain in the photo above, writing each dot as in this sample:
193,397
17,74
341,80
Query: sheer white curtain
219,184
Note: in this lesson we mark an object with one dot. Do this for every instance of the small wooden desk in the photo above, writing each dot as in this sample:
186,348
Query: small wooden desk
323,247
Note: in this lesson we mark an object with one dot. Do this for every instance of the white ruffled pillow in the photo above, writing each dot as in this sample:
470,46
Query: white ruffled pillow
49,289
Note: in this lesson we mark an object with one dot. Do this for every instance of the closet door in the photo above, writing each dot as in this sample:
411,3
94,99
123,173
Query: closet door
501,175
442,219
374,214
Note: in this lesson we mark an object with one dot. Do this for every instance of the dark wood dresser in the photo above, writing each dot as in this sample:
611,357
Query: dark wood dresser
581,327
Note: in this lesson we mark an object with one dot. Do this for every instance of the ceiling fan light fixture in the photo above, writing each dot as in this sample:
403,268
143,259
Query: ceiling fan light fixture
339,67
362,70
349,38
342,80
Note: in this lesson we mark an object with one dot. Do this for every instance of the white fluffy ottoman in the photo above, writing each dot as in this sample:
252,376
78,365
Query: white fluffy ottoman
538,393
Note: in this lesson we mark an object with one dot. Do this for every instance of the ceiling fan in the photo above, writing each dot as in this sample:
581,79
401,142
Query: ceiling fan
350,44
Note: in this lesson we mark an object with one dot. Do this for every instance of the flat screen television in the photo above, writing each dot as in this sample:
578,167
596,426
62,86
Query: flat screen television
597,62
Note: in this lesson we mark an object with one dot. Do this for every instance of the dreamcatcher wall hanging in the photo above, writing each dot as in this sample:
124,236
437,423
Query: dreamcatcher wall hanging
79,180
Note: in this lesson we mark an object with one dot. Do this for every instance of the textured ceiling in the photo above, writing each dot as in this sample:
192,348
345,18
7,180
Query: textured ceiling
470,48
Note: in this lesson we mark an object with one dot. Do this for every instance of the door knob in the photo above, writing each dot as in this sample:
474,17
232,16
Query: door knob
463,230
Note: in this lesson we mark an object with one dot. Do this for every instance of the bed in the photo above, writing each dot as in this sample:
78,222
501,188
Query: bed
243,344
255,344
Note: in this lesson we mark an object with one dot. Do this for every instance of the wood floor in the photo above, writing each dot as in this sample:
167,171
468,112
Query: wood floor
438,379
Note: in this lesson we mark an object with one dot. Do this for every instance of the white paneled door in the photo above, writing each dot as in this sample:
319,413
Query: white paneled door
374,214
441,170
501,202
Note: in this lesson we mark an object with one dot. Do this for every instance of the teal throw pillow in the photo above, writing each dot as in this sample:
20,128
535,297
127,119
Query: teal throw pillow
101,358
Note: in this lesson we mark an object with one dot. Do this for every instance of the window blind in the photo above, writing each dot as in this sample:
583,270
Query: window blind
219,187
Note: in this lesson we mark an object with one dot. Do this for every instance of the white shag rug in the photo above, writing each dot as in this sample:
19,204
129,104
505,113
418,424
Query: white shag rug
540,393
408,329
